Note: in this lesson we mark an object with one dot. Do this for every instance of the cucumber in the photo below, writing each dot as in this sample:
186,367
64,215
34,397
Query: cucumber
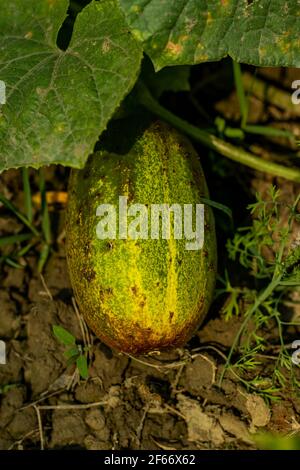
139,286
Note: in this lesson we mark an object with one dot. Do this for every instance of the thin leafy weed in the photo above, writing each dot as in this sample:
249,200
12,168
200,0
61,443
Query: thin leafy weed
274,276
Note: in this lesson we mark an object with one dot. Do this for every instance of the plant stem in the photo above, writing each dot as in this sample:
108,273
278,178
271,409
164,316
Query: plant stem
240,92
269,93
244,108
44,209
209,140
46,228
27,194
9,205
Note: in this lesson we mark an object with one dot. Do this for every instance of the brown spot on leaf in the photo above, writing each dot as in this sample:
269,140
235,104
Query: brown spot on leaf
106,45
174,49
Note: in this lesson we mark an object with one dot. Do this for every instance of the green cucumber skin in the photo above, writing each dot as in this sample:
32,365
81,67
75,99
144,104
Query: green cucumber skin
140,295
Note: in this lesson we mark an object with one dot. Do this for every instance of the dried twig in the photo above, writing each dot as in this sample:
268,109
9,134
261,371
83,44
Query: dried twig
141,425
26,436
79,318
170,365
73,407
162,446
46,287
40,426
83,327
57,392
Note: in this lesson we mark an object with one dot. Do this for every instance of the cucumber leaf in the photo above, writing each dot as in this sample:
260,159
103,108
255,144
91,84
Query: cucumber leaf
58,102
259,32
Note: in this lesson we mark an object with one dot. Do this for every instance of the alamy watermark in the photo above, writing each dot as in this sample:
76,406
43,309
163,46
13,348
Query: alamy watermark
296,94
2,92
296,354
2,353
188,222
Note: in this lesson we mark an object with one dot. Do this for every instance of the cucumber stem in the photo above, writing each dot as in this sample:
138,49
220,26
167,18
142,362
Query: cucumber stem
226,149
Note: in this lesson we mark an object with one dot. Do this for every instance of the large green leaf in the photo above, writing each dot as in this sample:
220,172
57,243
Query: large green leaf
59,102
260,32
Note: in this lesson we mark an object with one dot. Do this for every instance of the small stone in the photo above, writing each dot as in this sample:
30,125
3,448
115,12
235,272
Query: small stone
259,412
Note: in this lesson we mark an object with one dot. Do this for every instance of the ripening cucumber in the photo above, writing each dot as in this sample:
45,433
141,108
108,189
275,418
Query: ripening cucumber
140,294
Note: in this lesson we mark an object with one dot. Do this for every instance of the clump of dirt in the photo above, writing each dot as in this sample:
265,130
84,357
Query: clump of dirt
169,401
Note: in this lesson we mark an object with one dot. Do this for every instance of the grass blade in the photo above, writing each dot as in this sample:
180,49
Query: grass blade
27,194
10,240
44,254
218,205
45,213
11,262
240,92
268,131
9,205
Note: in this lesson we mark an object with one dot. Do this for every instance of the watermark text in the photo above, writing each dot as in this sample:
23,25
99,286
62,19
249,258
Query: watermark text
2,353
132,222
2,92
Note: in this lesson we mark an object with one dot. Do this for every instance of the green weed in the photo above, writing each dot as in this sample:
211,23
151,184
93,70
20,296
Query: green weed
74,353
273,278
